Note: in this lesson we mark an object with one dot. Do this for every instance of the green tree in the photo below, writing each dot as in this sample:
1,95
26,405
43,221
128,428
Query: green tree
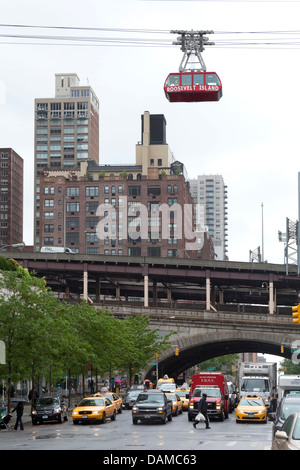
220,363
139,344
26,319
290,367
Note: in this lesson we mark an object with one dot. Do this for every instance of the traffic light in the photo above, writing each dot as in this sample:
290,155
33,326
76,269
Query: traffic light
296,314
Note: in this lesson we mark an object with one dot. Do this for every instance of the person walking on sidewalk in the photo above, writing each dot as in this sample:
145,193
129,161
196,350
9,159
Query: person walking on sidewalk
202,408
19,408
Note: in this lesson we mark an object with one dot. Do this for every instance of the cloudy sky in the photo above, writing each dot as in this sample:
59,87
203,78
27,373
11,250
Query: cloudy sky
250,137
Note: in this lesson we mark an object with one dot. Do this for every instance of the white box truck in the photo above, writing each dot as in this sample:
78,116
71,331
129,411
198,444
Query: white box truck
288,385
259,379
56,249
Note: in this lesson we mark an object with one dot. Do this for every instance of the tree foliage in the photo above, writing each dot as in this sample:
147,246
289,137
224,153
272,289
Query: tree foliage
46,337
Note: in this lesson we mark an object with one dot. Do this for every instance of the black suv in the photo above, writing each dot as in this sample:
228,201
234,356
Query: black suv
152,405
49,409
287,406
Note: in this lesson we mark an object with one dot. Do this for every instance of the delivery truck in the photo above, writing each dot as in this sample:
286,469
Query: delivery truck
259,379
288,385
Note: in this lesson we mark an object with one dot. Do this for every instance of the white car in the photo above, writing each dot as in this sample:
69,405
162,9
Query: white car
289,436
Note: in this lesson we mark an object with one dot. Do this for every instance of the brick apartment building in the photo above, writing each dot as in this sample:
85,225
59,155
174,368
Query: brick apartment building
66,133
144,209
11,195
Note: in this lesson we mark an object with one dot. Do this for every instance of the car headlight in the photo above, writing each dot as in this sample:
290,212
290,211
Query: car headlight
57,410
97,412
135,409
75,413
34,412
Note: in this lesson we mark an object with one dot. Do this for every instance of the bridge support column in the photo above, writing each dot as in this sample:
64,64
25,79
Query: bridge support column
272,303
98,290
85,282
154,294
207,290
146,291
118,292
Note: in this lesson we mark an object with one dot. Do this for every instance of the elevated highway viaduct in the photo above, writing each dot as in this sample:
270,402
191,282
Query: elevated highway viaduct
215,307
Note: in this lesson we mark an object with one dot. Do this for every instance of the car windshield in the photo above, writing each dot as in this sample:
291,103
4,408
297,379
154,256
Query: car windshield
210,392
296,433
167,387
288,408
171,396
255,385
150,398
132,394
251,402
92,402
48,401
182,393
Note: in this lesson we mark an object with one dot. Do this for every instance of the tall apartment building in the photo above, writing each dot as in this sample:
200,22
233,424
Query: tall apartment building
66,132
129,210
11,195
210,193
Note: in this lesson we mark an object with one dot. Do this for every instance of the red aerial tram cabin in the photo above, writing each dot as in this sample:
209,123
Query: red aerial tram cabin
186,87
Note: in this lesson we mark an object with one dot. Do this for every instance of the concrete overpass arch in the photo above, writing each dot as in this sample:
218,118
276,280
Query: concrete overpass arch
204,346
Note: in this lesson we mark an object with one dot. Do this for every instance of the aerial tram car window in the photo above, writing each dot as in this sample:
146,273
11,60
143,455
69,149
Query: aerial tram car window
192,84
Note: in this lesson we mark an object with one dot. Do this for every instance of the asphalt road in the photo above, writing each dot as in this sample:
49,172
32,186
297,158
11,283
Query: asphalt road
121,435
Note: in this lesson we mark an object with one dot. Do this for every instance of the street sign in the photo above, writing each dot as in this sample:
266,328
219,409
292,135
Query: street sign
2,353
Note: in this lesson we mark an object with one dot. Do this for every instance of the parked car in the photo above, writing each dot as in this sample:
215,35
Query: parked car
49,409
288,405
96,409
289,436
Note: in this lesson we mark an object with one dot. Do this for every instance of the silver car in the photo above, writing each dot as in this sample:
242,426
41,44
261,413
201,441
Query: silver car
289,436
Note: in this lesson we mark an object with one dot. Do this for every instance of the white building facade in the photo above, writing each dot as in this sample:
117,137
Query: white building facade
210,193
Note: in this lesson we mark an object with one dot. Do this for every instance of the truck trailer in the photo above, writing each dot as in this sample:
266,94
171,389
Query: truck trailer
259,379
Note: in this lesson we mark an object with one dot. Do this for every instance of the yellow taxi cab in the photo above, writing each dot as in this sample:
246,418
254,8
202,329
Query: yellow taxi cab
251,409
183,395
114,398
176,403
94,409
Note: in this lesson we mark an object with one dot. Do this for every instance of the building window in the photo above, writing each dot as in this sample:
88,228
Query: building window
48,228
72,206
91,237
72,222
134,191
73,192
91,206
91,191
49,202
154,191
172,253
72,238
48,241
